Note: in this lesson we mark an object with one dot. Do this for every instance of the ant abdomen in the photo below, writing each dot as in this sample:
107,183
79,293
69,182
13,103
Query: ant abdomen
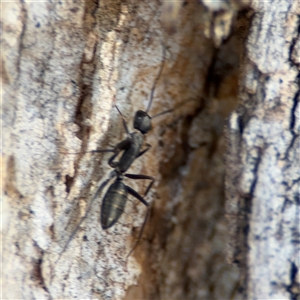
113,204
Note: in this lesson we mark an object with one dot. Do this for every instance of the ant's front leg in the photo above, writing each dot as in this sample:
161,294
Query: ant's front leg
148,146
124,145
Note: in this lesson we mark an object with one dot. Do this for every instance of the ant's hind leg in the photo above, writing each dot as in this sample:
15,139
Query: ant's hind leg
144,177
140,198
99,190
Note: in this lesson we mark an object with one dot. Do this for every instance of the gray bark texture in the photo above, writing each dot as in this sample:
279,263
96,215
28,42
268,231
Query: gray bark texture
64,65
263,158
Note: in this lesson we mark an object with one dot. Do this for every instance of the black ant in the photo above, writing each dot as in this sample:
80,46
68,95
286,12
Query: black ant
115,199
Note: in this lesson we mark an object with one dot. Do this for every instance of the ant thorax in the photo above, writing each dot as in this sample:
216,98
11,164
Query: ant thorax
130,154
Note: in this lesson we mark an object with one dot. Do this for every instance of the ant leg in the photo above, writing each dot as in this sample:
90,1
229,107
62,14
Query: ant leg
135,194
145,177
100,151
125,144
148,146
139,197
92,151
102,186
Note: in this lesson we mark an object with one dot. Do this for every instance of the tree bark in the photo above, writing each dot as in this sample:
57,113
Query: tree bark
63,64
263,174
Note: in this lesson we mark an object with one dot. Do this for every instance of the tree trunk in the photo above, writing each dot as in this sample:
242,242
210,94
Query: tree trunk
263,157
64,63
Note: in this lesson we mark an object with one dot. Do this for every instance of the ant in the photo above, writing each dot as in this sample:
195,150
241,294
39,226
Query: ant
115,199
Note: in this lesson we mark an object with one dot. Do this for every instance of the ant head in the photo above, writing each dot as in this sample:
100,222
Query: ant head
142,121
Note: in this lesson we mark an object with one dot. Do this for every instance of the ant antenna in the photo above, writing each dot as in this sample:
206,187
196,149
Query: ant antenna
172,109
123,118
156,79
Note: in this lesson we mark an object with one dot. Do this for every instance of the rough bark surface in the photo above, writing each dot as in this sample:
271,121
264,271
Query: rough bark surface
263,174
63,63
